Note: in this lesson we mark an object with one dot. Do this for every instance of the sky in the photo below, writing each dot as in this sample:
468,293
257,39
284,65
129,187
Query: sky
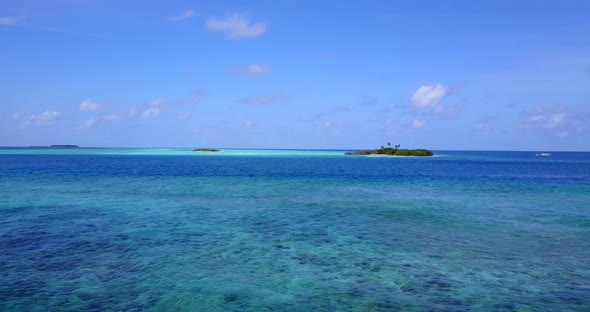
443,75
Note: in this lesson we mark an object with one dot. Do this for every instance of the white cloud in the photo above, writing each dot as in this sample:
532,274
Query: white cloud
47,118
109,118
258,69
10,20
417,124
236,26
429,96
560,121
89,106
184,15
546,118
152,110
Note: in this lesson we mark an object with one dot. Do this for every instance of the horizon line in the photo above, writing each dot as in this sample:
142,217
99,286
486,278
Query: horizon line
292,149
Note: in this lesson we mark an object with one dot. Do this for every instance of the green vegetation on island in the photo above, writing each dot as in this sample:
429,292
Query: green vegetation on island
64,146
393,151
206,150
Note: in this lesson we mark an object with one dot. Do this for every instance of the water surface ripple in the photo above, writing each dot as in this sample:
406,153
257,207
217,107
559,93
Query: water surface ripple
171,230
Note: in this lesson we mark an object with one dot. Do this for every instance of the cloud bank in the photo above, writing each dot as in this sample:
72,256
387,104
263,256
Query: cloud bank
47,118
182,16
109,118
150,110
560,121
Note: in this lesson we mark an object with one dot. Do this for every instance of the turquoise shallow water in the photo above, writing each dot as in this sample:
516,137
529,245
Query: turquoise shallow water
264,230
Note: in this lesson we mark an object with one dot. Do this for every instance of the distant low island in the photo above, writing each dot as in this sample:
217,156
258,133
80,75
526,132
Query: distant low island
206,150
64,146
393,151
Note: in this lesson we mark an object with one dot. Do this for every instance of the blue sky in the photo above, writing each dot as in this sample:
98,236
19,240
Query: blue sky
480,75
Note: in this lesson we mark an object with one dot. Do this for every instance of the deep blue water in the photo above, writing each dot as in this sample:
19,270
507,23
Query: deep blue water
172,230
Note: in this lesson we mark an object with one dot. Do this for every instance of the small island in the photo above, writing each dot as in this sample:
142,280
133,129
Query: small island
393,151
206,150
64,146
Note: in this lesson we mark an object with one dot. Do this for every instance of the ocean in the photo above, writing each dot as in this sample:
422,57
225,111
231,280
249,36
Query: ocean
111,229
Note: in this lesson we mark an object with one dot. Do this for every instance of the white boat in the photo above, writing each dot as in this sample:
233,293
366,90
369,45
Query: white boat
544,155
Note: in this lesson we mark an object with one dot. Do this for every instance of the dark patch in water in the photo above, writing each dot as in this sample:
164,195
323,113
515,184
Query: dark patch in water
231,297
